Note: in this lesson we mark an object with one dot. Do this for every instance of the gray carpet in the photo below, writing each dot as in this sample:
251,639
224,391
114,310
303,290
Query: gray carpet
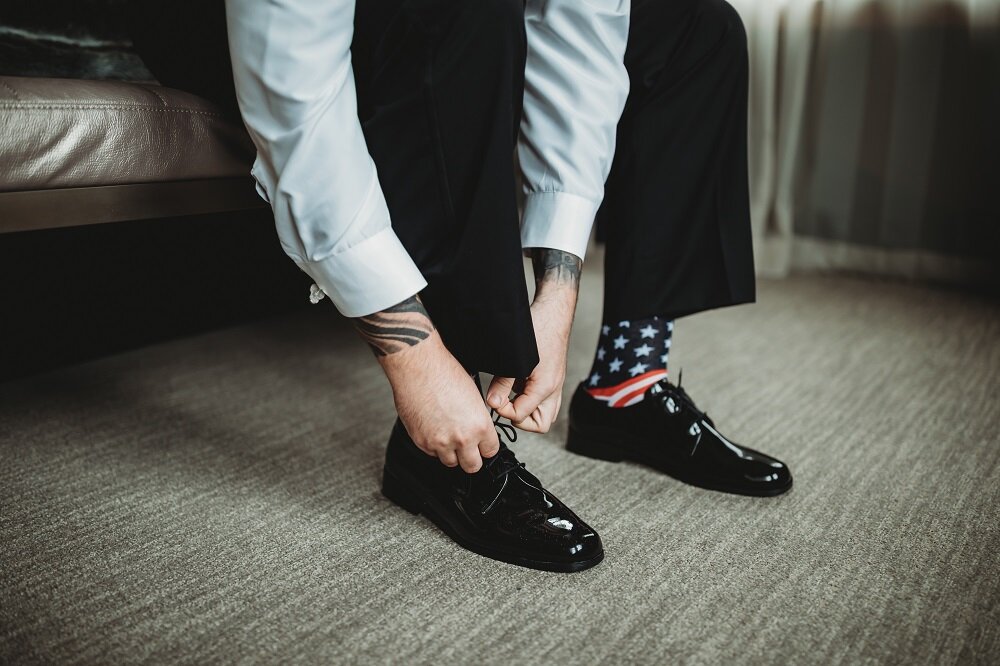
215,500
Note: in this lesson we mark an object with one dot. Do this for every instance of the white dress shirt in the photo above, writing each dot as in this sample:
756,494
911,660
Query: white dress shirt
295,85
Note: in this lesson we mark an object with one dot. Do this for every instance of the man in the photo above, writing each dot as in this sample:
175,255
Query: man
385,133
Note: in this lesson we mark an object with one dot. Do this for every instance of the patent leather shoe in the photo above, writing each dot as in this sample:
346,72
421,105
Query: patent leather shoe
667,431
502,511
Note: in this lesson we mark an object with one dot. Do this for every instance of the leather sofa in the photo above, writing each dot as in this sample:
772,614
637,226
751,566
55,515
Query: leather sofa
88,137
79,152
192,248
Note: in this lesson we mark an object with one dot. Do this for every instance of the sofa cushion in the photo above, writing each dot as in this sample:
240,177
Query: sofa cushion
60,133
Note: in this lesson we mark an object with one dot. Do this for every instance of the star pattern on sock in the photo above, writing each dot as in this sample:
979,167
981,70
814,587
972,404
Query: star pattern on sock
631,356
638,369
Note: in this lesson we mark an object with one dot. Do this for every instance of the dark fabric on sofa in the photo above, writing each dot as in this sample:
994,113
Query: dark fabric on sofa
81,39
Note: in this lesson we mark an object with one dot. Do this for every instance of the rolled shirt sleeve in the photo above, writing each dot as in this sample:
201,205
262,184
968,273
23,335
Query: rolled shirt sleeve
296,91
575,90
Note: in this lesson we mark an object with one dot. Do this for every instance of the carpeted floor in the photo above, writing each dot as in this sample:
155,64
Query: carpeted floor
215,499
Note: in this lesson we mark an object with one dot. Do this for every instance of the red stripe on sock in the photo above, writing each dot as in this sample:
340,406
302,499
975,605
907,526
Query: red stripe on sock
620,402
608,391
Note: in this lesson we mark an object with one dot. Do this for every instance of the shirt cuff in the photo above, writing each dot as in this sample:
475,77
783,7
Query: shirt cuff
368,277
558,220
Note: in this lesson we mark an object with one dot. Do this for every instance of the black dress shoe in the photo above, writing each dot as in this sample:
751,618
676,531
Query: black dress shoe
668,432
501,511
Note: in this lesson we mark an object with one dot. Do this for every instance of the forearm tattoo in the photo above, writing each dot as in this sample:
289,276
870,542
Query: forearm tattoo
396,328
555,266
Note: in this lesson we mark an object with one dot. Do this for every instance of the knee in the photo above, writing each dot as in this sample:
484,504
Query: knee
474,20
727,23
504,18
499,14
496,25
505,13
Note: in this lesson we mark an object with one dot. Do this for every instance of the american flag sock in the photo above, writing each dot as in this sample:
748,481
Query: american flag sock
631,356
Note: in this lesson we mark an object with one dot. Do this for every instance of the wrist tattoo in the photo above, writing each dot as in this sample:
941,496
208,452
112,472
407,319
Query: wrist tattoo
556,266
396,328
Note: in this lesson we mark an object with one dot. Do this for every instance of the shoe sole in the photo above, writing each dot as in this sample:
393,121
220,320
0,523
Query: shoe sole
406,495
591,447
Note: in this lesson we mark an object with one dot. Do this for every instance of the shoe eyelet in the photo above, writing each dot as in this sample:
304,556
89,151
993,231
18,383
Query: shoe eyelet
694,430
672,407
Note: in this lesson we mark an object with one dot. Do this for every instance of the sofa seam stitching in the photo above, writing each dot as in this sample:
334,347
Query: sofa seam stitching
113,107
158,95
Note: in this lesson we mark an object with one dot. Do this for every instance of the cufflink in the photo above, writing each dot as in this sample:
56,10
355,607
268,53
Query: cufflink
316,294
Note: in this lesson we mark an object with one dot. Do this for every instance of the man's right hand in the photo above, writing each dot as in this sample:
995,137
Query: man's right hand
435,397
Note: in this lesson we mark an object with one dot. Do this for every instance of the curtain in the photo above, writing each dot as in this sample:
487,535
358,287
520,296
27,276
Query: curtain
874,137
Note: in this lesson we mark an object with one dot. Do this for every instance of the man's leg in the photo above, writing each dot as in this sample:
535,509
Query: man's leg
676,216
440,85
676,222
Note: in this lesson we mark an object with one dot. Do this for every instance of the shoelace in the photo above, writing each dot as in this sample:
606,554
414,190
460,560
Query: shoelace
680,395
504,461
676,394
506,428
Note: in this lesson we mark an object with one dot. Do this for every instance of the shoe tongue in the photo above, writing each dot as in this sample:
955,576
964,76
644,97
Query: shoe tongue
664,386
660,388
497,464
496,468
668,393
515,486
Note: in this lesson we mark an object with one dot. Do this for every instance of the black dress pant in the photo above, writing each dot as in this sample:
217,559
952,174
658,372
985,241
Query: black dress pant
676,212
440,88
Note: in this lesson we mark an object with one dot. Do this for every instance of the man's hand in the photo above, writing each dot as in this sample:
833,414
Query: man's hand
557,284
436,399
